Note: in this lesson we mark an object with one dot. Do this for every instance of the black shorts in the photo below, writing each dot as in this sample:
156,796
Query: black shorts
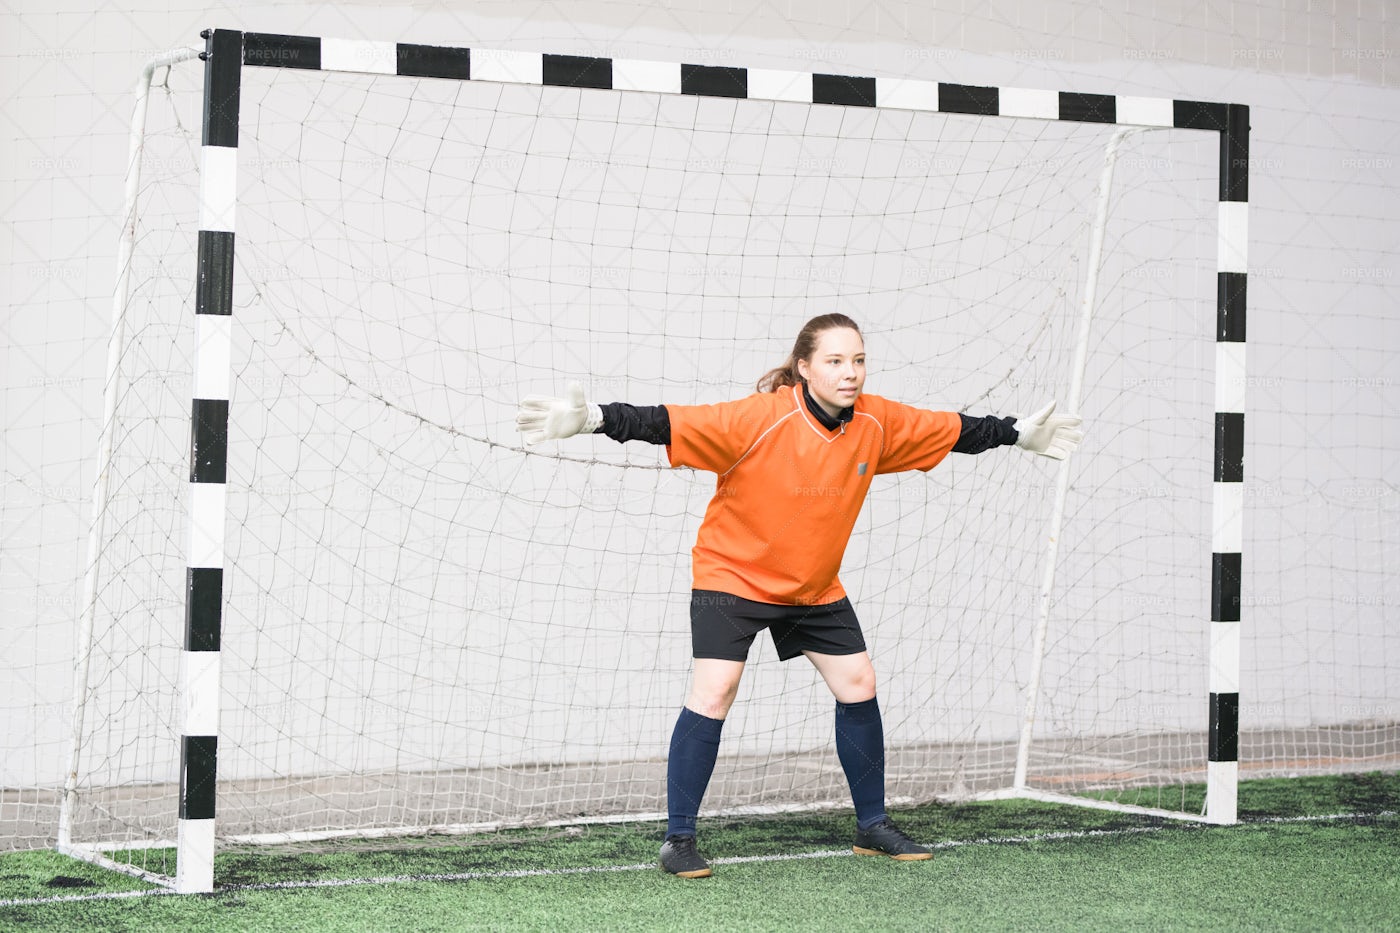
724,626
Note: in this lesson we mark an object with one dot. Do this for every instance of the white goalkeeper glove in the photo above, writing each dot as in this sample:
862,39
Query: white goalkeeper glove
1049,434
545,418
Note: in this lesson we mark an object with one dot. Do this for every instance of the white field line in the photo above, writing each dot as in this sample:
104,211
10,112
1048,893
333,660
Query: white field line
651,866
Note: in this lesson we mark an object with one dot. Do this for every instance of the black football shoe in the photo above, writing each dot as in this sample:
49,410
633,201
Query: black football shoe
884,838
678,856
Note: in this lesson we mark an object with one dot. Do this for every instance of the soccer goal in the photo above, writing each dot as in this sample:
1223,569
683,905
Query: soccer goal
330,593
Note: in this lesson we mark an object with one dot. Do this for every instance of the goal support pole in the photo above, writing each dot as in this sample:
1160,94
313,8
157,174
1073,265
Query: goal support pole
111,387
1057,514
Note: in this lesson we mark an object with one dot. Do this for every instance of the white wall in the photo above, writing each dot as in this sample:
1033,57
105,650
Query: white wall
1324,338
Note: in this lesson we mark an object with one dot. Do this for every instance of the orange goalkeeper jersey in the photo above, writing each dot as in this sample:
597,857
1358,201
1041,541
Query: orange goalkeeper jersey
789,490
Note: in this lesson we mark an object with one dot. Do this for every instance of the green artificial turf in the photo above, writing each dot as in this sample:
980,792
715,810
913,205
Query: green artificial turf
1002,865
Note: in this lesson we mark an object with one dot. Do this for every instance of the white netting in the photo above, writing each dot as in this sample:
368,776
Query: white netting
426,625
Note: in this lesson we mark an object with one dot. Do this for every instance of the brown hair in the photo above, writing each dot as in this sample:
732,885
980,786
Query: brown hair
802,349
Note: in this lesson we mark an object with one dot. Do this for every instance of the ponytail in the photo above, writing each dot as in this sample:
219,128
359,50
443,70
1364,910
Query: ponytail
780,376
802,349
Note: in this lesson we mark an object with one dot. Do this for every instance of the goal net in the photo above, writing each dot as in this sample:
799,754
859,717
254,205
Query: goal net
426,626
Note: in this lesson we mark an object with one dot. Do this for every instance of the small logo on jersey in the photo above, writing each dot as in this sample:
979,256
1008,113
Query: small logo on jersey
860,469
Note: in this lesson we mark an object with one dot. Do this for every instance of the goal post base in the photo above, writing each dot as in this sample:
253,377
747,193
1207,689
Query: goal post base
194,863
1222,792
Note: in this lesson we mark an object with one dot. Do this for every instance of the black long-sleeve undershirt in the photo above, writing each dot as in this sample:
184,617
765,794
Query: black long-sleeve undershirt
652,423
623,422
979,434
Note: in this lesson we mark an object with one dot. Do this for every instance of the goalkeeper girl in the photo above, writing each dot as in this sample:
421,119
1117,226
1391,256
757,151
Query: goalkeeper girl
794,462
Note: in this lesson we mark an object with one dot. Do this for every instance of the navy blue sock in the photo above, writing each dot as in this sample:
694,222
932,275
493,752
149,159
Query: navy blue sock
694,747
860,744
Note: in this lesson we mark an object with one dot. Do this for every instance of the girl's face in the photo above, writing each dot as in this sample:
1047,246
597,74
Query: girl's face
836,370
